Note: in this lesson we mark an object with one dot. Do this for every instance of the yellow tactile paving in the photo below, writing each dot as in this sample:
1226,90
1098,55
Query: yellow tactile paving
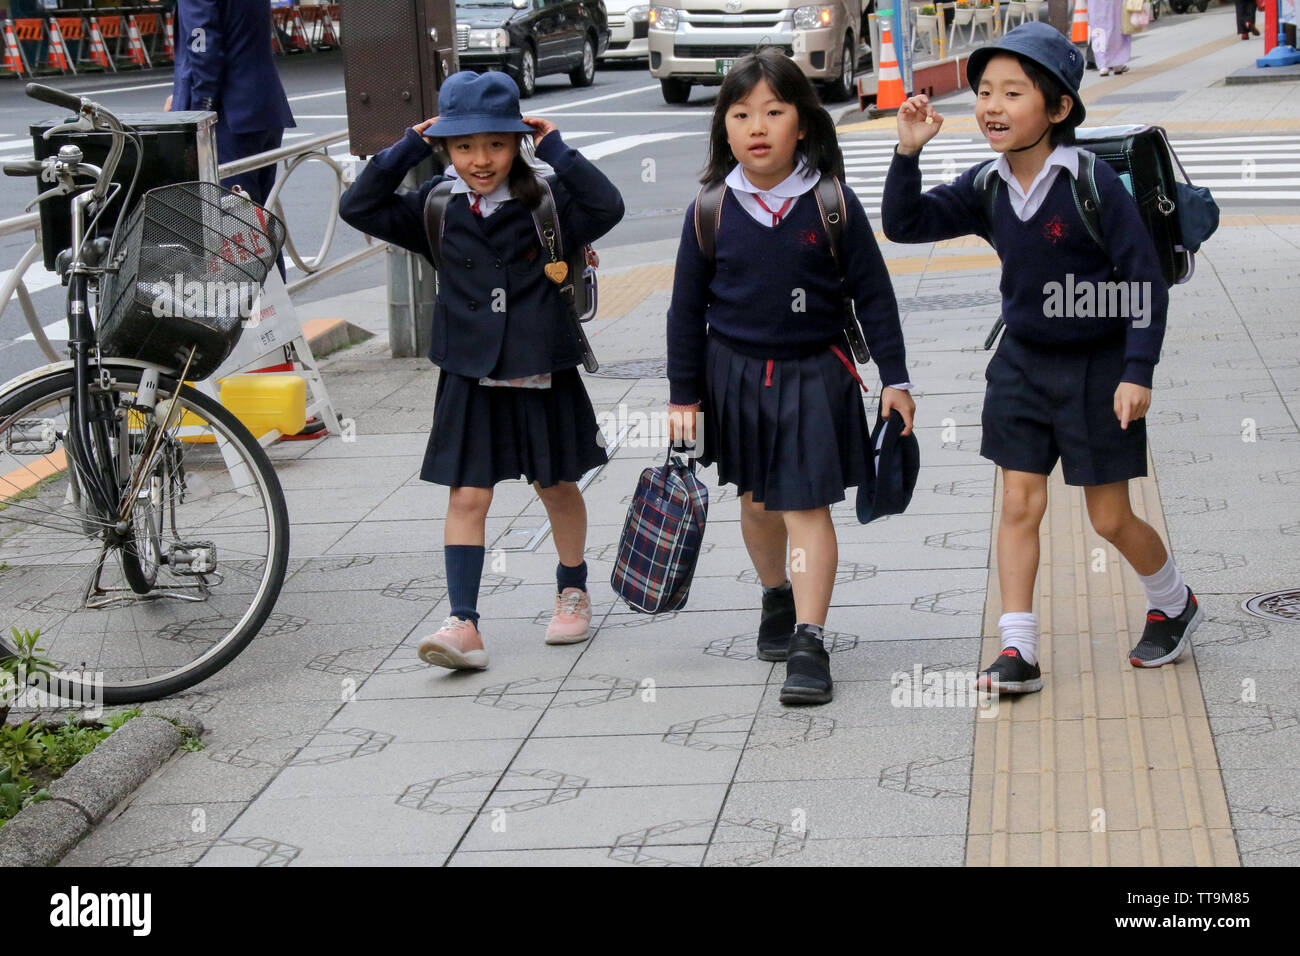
622,292
1107,765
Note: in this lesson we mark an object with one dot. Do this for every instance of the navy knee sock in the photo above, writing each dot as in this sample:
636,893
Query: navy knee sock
567,577
464,571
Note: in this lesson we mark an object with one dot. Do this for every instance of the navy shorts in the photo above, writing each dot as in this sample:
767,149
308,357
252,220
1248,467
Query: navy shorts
1043,403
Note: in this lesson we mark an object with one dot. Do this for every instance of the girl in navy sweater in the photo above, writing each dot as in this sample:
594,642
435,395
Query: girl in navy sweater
755,343
509,401
1064,383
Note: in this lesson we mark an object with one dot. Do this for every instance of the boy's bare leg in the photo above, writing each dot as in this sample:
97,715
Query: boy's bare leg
1024,502
765,540
1111,513
567,512
814,556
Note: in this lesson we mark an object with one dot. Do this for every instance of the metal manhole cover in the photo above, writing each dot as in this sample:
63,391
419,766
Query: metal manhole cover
1276,605
953,300
635,368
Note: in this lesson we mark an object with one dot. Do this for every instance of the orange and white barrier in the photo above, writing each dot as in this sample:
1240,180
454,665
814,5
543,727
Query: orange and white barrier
135,50
14,61
1079,27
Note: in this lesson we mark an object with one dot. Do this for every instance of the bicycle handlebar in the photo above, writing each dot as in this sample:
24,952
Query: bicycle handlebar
31,167
48,94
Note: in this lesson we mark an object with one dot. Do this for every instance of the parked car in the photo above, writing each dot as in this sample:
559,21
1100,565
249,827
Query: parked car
694,42
532,38
629,29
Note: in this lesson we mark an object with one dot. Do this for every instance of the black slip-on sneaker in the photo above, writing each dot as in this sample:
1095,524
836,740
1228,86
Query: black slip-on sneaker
776,625
1166,638
807,671
1010,674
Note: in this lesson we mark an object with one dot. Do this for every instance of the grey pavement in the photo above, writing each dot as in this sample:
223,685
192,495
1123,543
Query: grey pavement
660,741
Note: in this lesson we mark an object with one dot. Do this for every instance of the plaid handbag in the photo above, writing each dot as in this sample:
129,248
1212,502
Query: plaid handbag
661,538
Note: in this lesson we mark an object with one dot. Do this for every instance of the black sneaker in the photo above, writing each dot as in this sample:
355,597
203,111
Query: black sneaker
777,625
807,670
1010,674
1165,638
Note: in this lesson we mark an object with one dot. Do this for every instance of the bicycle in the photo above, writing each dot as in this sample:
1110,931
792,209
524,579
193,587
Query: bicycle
142,528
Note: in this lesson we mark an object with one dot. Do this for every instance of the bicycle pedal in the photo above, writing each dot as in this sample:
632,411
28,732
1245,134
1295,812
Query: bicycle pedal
194,557
36,436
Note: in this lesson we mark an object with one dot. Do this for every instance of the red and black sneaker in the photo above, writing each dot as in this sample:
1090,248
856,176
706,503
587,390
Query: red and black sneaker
1010,674
1166,638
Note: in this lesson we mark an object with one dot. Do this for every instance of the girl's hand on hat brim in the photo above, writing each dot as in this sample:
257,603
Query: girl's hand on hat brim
540,128
901,399
421,127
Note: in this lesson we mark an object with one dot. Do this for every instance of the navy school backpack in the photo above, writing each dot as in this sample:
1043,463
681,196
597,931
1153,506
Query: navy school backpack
1178,215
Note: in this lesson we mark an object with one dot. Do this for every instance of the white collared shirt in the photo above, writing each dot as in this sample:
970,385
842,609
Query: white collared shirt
488,204
1025,204
791,188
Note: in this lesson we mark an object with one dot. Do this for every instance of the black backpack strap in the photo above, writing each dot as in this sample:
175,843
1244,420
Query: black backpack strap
708,215
830,204
1086,198
987,182
435,219
547,221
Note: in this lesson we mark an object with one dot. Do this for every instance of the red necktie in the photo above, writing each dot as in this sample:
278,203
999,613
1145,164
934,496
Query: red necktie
776,213
473,204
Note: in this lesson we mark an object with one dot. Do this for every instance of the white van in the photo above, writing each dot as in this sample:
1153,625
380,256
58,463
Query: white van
695,41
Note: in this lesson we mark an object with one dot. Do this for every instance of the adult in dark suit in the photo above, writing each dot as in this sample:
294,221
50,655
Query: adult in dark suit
224,63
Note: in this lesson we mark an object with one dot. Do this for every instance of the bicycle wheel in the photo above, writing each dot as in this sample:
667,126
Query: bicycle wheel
208,539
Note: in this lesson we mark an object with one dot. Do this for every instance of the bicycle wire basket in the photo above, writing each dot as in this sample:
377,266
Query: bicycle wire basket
189,265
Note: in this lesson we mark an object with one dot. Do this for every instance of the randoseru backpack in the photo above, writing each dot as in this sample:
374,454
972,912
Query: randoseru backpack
830,203
1178,215
578,286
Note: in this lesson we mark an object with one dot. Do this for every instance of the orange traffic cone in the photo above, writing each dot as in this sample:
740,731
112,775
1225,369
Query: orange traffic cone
889,82
58,53
169,37
13,56
99,52
135,45
1079,28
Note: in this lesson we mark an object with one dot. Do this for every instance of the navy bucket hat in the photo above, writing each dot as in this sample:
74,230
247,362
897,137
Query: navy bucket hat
898,461
1046,46
470,102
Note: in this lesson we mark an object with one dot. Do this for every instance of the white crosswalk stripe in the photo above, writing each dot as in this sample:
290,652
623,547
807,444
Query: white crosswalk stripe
1238,169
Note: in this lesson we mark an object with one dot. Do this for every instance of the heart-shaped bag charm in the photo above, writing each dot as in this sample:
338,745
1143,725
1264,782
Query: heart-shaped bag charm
556,271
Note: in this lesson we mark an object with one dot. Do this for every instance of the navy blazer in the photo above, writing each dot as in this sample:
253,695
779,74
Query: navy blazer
224,62
497,314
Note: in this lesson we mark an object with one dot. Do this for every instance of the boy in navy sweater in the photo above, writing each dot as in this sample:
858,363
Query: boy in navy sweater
1071,378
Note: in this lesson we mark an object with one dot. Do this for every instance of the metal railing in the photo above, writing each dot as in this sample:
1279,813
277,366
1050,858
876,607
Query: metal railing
314,268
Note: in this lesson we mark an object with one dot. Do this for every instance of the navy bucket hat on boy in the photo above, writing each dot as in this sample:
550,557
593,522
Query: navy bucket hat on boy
1046,46
470,102
898,461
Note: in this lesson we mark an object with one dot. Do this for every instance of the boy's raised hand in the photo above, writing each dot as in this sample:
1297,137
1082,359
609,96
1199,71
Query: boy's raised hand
540,128
917,124
421,127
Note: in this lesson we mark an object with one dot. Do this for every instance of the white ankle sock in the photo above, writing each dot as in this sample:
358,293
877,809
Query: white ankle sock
1165,589
1020,630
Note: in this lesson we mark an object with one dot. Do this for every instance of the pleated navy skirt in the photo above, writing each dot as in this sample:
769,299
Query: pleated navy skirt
483,435
796,443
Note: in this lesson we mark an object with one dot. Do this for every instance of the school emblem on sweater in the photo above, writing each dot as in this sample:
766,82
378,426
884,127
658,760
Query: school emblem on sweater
809,237
1054,230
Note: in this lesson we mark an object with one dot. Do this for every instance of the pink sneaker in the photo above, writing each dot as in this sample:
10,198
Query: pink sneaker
449,647
572,618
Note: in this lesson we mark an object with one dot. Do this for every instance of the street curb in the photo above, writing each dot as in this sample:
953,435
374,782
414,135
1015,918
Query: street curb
42,834
329,335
